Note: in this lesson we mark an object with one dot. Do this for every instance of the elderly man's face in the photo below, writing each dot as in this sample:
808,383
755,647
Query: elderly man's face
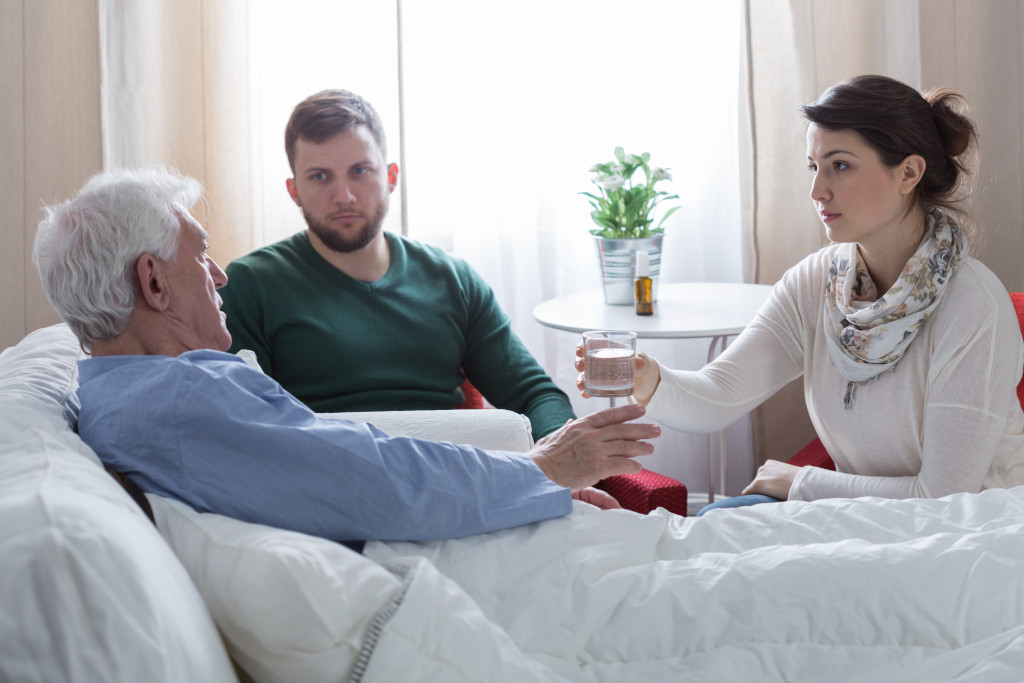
195,279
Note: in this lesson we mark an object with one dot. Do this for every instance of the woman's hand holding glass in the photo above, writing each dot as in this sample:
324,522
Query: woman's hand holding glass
648,375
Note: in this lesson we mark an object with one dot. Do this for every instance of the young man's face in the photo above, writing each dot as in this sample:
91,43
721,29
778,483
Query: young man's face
343,186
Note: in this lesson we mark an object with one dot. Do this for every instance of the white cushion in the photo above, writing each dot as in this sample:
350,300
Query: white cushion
495,430
291,607
89,589
490,429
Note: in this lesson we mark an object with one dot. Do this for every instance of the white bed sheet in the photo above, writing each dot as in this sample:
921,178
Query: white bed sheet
840,590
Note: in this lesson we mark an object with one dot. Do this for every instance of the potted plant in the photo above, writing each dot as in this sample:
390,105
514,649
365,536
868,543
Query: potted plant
624,212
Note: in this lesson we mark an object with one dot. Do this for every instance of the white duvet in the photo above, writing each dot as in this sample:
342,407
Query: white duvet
843,590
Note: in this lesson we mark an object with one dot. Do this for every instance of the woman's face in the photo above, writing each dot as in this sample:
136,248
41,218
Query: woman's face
858,198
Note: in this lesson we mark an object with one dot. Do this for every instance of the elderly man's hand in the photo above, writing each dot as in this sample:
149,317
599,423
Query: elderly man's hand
597,498
587,450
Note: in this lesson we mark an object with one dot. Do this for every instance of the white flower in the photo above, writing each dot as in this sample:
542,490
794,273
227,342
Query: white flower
594,169
661,174
618,168
612,182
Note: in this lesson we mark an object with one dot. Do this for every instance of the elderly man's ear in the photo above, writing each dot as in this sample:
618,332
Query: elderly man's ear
152,279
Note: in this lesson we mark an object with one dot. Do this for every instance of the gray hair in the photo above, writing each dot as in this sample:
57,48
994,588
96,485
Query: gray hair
86,247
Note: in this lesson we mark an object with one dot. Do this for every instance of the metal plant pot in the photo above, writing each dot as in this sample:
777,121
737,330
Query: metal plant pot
618,265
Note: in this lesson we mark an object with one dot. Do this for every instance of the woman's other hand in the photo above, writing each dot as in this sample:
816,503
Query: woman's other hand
773,478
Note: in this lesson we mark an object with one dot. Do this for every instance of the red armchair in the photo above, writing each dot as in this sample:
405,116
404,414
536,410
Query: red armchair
641,492
814,453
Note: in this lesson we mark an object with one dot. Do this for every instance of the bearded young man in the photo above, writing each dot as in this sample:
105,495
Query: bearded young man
348,317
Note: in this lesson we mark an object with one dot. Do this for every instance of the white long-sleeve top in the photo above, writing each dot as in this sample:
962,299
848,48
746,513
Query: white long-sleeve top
945,420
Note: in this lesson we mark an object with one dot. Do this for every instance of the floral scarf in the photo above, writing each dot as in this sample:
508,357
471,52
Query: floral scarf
867,337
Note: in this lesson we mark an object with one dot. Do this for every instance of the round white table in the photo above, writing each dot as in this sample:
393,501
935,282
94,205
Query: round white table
684,310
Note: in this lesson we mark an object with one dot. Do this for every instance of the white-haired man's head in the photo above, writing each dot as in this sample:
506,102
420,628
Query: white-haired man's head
86,248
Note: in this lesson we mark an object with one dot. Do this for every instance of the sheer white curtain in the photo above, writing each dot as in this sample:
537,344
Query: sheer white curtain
505,107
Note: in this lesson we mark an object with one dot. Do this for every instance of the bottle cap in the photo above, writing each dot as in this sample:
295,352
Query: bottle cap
643,265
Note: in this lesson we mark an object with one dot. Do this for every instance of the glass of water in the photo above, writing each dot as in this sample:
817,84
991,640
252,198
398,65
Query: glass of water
609,362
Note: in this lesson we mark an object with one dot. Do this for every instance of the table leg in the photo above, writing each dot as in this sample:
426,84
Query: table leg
717,346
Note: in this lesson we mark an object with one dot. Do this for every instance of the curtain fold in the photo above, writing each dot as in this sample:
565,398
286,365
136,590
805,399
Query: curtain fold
508,108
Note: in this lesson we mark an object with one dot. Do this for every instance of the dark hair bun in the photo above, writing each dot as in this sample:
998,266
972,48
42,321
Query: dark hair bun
955,130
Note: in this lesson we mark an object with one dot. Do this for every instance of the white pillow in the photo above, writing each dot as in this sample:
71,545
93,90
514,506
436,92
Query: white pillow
90,591
43,368
291,607
298,608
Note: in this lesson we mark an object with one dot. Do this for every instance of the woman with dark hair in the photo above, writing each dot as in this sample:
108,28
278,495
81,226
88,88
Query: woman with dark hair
909,347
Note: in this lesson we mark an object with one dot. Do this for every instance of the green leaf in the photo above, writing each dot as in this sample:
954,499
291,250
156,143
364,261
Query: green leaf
667,214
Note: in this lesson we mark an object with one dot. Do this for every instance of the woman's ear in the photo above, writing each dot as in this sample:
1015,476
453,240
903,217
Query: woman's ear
912,170
152,282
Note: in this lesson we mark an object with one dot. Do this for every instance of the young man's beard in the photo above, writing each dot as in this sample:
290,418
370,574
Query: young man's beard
336,241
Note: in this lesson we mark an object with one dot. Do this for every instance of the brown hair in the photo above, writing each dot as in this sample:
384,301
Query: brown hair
320,117
897,121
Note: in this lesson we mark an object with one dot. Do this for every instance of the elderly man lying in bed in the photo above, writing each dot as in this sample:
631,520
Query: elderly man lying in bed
126,266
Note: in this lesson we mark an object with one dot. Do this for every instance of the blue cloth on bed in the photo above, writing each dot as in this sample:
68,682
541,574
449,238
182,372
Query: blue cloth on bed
738,502
208,430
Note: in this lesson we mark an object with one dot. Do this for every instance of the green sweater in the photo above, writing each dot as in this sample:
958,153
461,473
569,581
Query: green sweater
400,343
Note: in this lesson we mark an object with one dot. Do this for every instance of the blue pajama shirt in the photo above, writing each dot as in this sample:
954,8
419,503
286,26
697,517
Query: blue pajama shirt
206,429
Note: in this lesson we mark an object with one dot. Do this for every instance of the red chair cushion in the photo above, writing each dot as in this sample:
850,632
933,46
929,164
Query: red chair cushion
813,455
474,399
1017,298
645,491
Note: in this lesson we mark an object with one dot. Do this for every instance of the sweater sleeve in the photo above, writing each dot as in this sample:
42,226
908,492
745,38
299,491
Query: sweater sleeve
765,357
243,306
224,438
499,365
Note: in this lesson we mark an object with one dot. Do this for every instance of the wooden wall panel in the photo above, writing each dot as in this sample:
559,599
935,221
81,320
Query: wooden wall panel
13,269
975,48
62,114
989,75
